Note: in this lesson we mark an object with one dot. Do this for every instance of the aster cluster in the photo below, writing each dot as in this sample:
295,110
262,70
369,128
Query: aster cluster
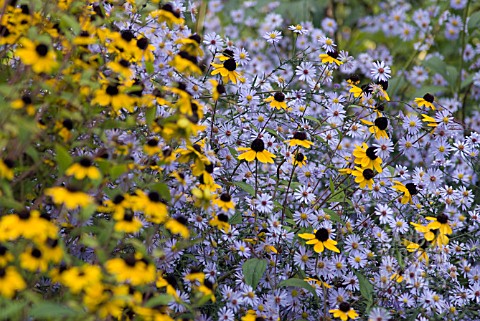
203,161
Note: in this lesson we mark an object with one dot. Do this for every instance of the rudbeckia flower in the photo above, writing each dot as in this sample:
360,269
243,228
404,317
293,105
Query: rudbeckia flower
151,205
84,168
277,101
128,223
366,157
441,223
363,177
224,202
113,94
5,256
78,278
185,63
33,260
431,122
10,282
131,269
69,197
299,159
151,147
178,225
28,224
220,221
145,50
378,127
256,151
299,139
168,15
24,103
217,89
344,312
321,240
426,101
330,57
227,70
191,45
420,250
51,250
6,169
121,67
408,190
38,55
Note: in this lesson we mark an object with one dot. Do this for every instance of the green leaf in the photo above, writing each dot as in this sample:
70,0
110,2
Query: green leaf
253,271
150,114
159,299
246,187
474,21
332,187
236,218
117,170
312,119
12,310
68,21
366,288
52,310
149,67
299,283
333,215
337,197
163,190
63,158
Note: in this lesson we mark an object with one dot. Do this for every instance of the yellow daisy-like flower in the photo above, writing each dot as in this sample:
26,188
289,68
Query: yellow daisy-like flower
224,202
299,139
441,223
69,197
191,45
365,156
420,250
185,63
178,225
121,67
220,221
431,233
114,95
363,177
321,240
426,101
33,260
28,224
151,205
5,256
330,57
38,55
128,223
217,89
378,127
256,151
227,70
344,312
277,101
299,159
84,168
168,15
131,269
79,278
431,122
408,190
6,169
10,282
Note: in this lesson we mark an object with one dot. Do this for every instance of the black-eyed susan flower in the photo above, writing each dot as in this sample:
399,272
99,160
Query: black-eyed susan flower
27,224
151,147
321,240
178,225
426,101
408,190
132,269
145,49
69,196
127,223
430,121
169,283
24,103
352,82
419,249
299,159
64,129
168,14
207,289
217,89
5,256
363,177
83,168
220,221
121,67
344,312
277,101
377,127
105,300
366,157
441,223
227,70
256,151
78,278
51,250
10,282
299,139
6,169
185,63
191,45
33,260
114,95
151,204
330,57
224,202
431,233
38,55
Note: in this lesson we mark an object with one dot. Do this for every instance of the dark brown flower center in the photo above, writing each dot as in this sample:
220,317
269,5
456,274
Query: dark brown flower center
85,162
225,197
300,135
154,197
280,97
222,218
299,157
368,174
371,153
112,90
41,50
230,64
428,97
142,43
442,218
381,123
322,234
258,145
344,307
412,188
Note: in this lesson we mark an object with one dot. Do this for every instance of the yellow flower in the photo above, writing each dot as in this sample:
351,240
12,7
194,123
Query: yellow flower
431,122
378,127
426,101
121,67
128,223
441,223
221,222
37,55
344,312
299,159
5,256
408,190
330,57
83,169
114,95
24,103
33,260
420,250
69,197
131,269
6,169
51,250
185,63
191,45
321,240
10,282
299,139
227,70
151,205
178,225
217,89
151,147
224,202
168,15
277,101
256,151
365,156
79,278
363,177
29,225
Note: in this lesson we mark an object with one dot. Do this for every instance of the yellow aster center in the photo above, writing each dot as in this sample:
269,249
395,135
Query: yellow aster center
298,27
273,36
249,97
243,55
329,42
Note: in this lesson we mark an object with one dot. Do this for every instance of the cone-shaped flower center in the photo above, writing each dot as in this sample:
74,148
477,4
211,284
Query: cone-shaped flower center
381,123
85,162
181,219
41,50
280,97
299,136
112,90
322,234
225,197
412,188
442,218
154,197
344,307
368,174
258,145
299,157
371,153
230,64
429,97
222,218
